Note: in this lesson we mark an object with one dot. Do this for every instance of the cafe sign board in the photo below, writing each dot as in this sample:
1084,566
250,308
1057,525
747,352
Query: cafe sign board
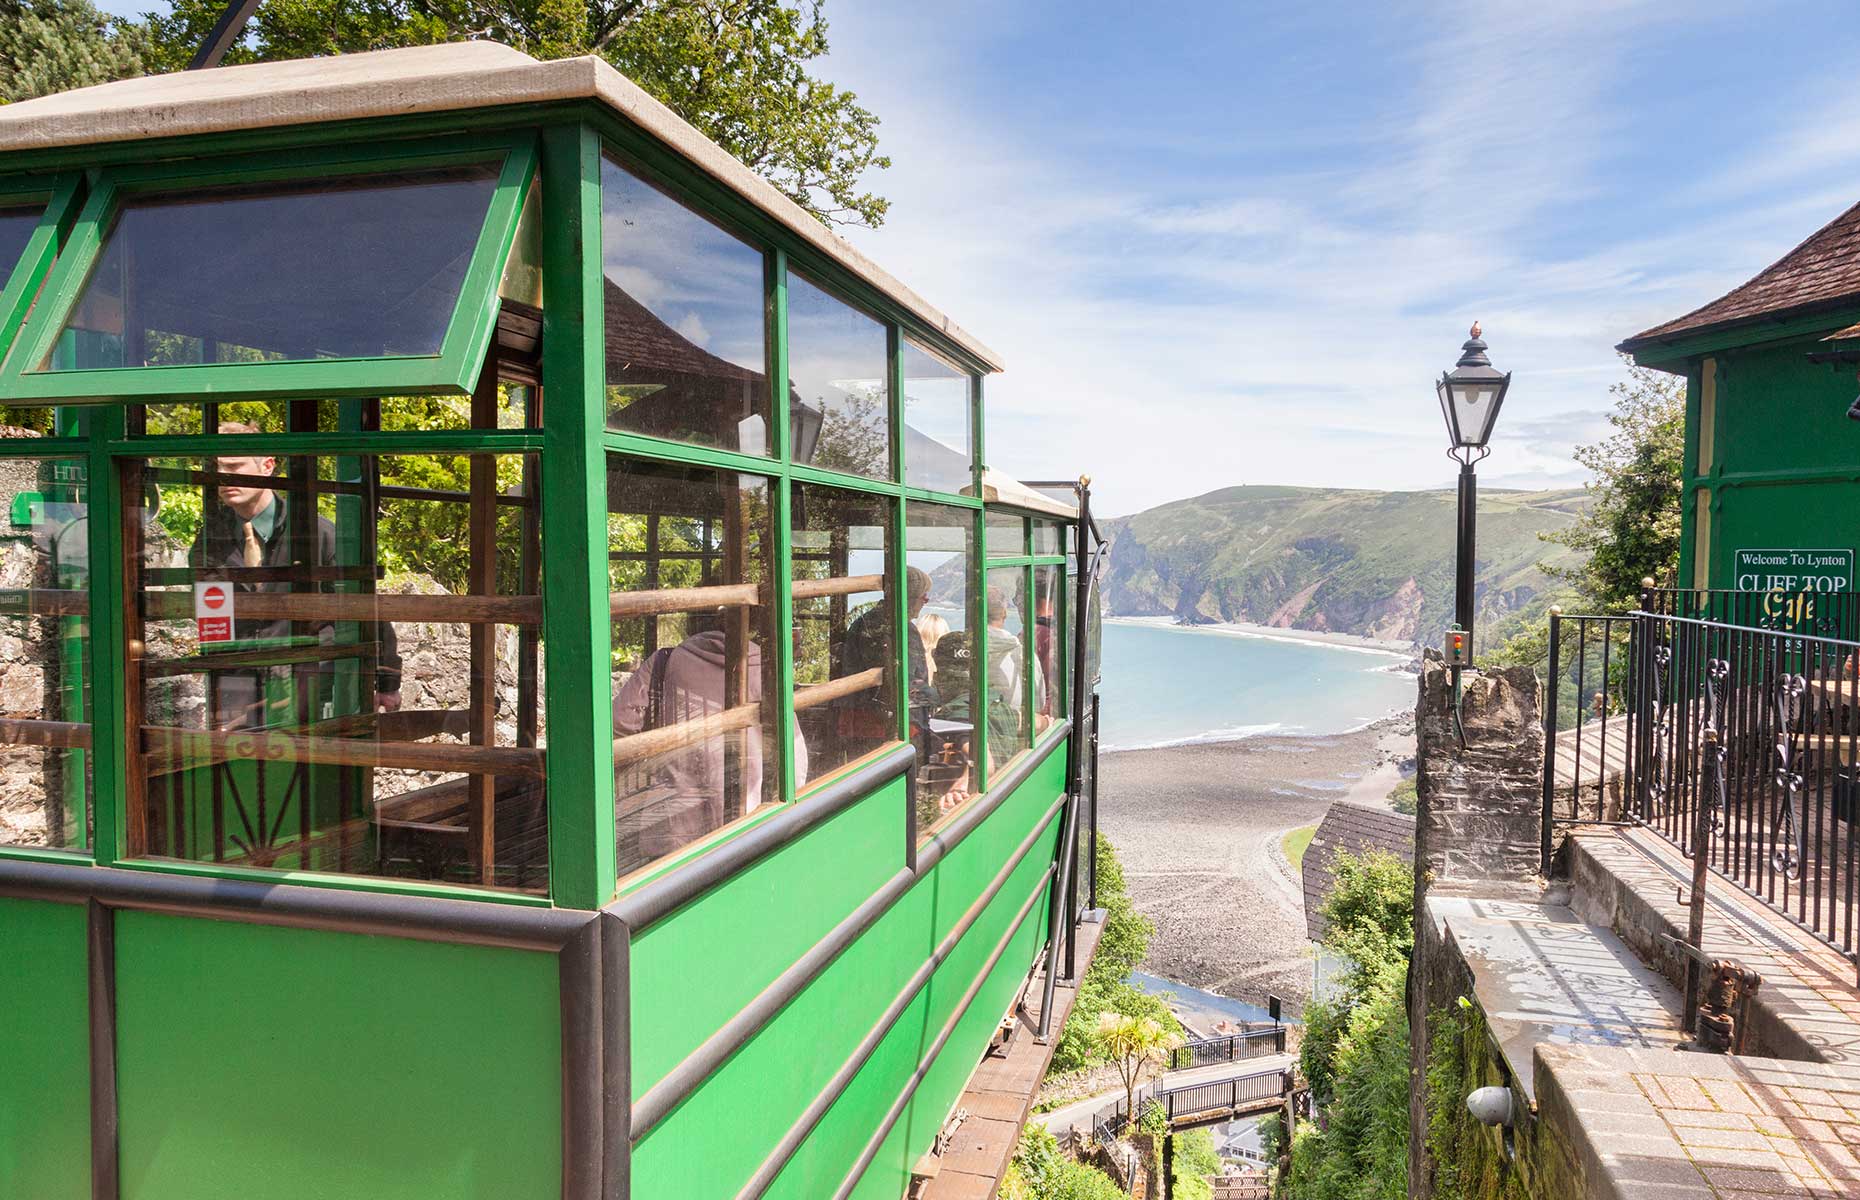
1793,571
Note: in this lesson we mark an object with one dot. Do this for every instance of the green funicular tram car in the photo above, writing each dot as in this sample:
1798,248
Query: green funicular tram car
463,732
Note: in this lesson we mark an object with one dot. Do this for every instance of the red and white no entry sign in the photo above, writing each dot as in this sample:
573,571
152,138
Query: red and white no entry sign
213,611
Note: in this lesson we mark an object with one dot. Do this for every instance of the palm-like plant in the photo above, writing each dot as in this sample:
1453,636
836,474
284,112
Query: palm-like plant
1134,1045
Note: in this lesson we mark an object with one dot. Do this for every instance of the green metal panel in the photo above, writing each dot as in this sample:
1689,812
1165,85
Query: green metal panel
453,369
698,966
44,1052
577,634
1786,458
302,1065
758,924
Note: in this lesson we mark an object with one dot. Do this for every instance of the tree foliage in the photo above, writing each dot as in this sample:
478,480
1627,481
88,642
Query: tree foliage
1631,530
1369,914
1355,1050
1360,1152
52,45
1040,1171
1135,1046
737,70
1106,987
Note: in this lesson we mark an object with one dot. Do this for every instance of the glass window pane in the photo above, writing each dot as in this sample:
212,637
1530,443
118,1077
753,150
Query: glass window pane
1049,648
1045,537
522,280
16,226
339,661
516,409
937,402
44,659
1007,535
1009,705
695,656
369,267
845,643
686,325
940,542
839,409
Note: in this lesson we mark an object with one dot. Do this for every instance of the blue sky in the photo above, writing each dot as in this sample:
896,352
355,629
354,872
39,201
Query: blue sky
1224,243
1235,243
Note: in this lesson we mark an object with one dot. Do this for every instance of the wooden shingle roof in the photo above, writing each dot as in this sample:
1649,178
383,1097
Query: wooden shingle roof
1821,273
1349,828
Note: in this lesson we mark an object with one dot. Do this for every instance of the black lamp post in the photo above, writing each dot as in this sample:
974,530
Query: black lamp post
1469,398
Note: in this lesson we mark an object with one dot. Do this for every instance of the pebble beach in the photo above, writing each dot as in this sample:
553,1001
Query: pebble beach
1198,828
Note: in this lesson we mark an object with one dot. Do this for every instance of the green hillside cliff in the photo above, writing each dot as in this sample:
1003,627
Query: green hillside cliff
1377,564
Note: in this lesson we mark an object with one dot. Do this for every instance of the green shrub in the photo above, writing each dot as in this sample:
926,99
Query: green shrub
1105,988
1362,1154
1040,1171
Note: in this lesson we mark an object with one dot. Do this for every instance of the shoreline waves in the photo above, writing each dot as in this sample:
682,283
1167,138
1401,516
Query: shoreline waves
1274,633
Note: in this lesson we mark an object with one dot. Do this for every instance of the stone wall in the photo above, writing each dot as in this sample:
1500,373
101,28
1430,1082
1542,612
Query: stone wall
1481,801
1480,785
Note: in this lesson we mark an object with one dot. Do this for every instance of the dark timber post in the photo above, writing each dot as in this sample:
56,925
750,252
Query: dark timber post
1168,1166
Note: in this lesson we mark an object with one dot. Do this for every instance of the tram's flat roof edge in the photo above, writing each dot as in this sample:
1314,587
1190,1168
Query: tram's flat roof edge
419,79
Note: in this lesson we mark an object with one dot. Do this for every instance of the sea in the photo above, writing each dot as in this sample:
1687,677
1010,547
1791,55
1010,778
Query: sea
1172,685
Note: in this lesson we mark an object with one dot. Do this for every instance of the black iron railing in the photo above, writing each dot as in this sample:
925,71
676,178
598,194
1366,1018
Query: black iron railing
1589,721
1193,1101
1252,1042
1820,614
1739,741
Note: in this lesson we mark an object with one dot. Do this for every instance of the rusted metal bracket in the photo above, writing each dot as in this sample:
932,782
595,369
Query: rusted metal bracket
1722,1021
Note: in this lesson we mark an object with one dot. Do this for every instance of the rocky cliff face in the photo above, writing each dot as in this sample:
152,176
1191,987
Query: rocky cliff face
1375,564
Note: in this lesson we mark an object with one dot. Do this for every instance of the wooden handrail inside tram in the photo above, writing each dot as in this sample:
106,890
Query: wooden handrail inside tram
633,747
170,750
53,735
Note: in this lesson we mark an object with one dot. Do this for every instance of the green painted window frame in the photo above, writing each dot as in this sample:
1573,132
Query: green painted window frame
565,149
1026,561
453,370
651,164
59,194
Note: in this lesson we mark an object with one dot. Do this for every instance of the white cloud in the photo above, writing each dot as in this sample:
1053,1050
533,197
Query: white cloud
1171,335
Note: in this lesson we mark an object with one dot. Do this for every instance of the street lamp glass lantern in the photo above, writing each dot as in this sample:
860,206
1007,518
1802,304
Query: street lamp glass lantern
1470,396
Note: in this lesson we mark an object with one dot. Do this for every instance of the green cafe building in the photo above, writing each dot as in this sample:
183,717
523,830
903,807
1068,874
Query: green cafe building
1772,459
465,731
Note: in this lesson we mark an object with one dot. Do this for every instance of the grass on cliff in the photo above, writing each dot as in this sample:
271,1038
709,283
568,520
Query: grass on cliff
1295,843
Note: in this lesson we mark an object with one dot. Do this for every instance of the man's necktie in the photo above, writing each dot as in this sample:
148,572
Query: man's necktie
254,550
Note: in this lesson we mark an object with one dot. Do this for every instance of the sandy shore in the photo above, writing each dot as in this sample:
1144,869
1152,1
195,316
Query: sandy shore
1198,829
1275,633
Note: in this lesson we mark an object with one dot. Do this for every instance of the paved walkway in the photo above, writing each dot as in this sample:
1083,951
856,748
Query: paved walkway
1808,986
1542,977
1656,1124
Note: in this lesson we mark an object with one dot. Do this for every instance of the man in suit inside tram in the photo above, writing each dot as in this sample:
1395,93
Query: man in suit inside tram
250,527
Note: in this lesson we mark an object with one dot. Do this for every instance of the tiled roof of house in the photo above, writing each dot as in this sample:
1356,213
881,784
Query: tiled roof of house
1822,272
1353,829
